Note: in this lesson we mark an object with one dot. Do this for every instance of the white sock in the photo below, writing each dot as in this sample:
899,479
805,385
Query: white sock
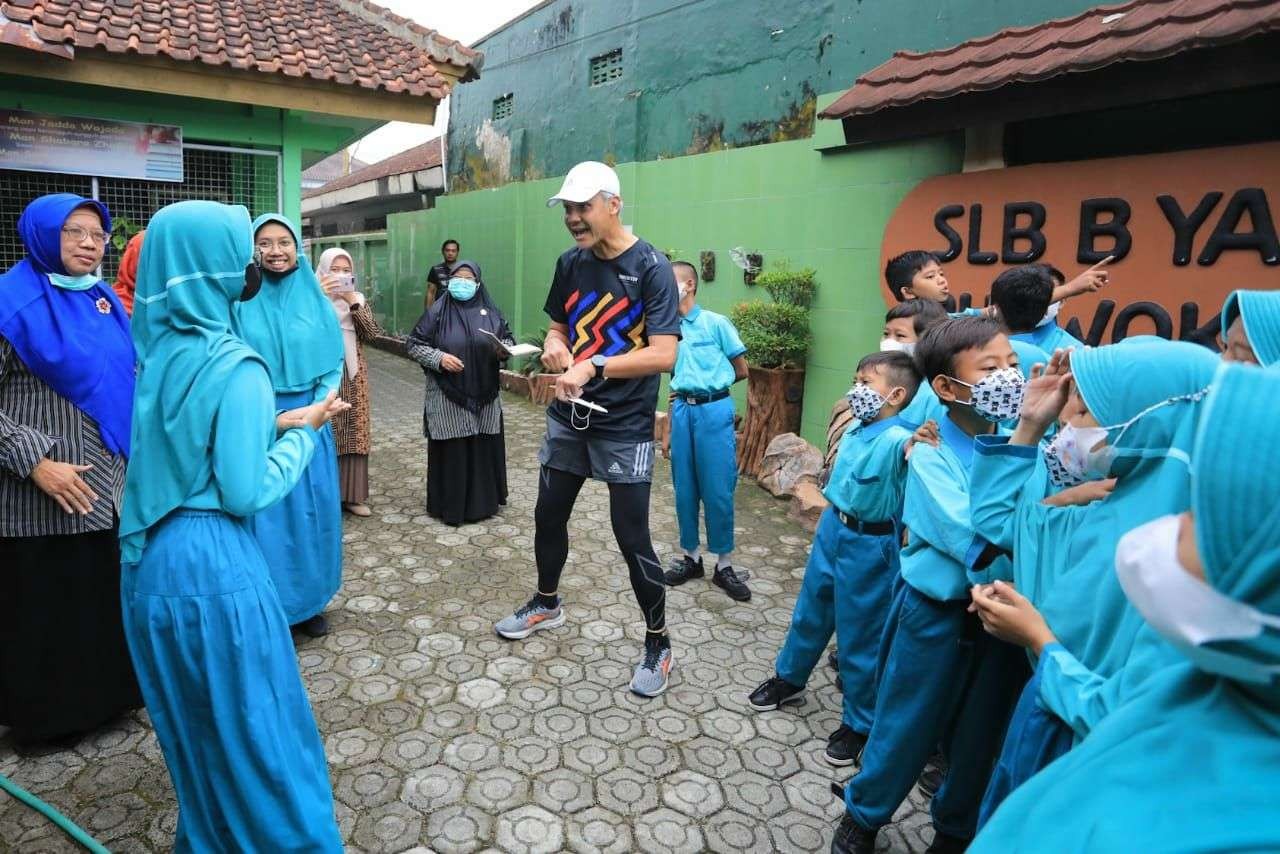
692,555
723,560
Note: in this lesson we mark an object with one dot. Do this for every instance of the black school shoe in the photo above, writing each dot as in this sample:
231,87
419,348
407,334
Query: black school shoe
682,569
727,580
315,627
774,693
930,779
844,747
943,844
833,662
852,838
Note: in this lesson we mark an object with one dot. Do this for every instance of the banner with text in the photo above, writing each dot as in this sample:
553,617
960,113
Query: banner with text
37,142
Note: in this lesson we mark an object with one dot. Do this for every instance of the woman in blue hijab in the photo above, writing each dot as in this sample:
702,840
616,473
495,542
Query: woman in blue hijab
1251,327
292,326
1190,760
66,394
1131,408
208,636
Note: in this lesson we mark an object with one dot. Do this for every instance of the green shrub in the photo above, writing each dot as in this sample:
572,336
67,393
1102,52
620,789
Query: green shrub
776,334
791,287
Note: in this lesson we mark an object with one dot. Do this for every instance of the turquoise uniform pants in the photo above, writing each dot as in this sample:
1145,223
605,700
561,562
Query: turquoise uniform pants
1035,738
847,588
704,471
942,681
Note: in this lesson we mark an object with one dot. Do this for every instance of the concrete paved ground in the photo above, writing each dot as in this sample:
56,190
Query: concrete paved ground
442,736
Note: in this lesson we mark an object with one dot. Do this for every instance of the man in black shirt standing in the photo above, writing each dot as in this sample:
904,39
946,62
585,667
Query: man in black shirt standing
438,275
614,326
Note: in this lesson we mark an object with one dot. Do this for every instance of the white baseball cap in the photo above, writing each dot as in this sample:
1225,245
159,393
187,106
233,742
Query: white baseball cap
584,181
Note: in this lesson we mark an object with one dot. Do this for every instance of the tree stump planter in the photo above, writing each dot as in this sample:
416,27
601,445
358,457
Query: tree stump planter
774,399
542,388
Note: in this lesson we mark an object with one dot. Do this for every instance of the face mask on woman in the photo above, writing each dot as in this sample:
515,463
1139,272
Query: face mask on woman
1185,610
462,289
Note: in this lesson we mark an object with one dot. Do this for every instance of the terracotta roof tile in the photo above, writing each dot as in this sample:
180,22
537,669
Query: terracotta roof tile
1138,30
416,159
351,42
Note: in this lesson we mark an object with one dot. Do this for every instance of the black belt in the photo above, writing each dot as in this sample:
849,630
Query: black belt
695,399
875,529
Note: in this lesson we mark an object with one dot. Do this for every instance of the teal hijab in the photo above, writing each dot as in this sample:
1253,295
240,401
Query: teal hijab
291,322
1236,499
190,275
1259,311
1188,762
1064,557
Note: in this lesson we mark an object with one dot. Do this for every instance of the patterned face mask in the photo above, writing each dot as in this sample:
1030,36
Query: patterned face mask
865,402
1071,458
998,397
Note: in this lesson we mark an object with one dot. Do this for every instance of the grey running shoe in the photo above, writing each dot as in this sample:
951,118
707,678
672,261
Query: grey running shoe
653,672
529,618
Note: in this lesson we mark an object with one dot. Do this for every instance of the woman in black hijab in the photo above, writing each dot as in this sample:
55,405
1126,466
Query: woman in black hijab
462,415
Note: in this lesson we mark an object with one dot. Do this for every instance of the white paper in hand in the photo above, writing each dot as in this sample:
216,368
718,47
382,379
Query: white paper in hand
517,350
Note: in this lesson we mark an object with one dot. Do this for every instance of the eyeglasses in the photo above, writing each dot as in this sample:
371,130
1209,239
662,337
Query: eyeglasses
79,233
267,245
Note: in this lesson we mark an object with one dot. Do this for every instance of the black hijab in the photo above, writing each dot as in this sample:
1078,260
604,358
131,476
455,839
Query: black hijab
454,327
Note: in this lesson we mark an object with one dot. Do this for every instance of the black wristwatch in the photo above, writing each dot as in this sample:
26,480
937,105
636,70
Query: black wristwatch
599,361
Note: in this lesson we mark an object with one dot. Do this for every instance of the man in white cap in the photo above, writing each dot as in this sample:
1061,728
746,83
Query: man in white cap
614,326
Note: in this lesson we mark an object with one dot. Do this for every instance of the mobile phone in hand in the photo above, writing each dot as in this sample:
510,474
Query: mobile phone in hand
346,282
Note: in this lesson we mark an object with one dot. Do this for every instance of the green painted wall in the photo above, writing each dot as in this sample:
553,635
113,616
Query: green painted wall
787,201
301,138
698,75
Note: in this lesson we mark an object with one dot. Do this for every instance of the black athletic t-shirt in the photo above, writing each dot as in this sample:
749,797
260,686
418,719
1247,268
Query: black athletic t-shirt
438,275
612,307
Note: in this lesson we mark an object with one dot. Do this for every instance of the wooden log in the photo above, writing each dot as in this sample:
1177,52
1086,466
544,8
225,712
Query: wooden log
774,398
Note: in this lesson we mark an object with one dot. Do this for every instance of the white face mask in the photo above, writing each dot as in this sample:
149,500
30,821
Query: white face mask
893,345
1186,611
1071,458
1051,315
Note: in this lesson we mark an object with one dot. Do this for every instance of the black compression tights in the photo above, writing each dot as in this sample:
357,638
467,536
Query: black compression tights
629,512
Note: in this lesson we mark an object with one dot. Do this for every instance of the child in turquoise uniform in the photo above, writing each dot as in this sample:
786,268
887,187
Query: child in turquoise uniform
1045,333
208,637
1251,327
1189,761
293,327
1127,411
704,465
942,681
854,558
903,326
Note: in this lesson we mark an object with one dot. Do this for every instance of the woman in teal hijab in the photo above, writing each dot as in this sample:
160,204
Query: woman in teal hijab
1251,327
1134,406
208,637
292,326
1190,762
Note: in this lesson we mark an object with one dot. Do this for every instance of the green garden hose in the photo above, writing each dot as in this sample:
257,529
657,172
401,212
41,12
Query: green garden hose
64,824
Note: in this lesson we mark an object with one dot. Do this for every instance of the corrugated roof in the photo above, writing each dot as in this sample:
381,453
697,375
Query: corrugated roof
332,168
346,42
416,159
1138,30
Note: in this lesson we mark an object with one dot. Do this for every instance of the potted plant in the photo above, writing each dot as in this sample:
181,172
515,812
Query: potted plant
777,338
518,375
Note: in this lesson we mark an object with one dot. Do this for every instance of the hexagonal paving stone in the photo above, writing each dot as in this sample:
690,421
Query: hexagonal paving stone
710,756
531,755
508,669
412,750
352,747
651,756
811,794
459,829
616,725
592,756
692,793
433,787
560,724
481,693
727,726
472,752
534,696
733,832
498,789
368,786
626,791
666,831
563,791
530,829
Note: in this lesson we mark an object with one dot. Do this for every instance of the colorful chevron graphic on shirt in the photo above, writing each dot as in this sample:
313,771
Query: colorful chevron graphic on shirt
604,324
